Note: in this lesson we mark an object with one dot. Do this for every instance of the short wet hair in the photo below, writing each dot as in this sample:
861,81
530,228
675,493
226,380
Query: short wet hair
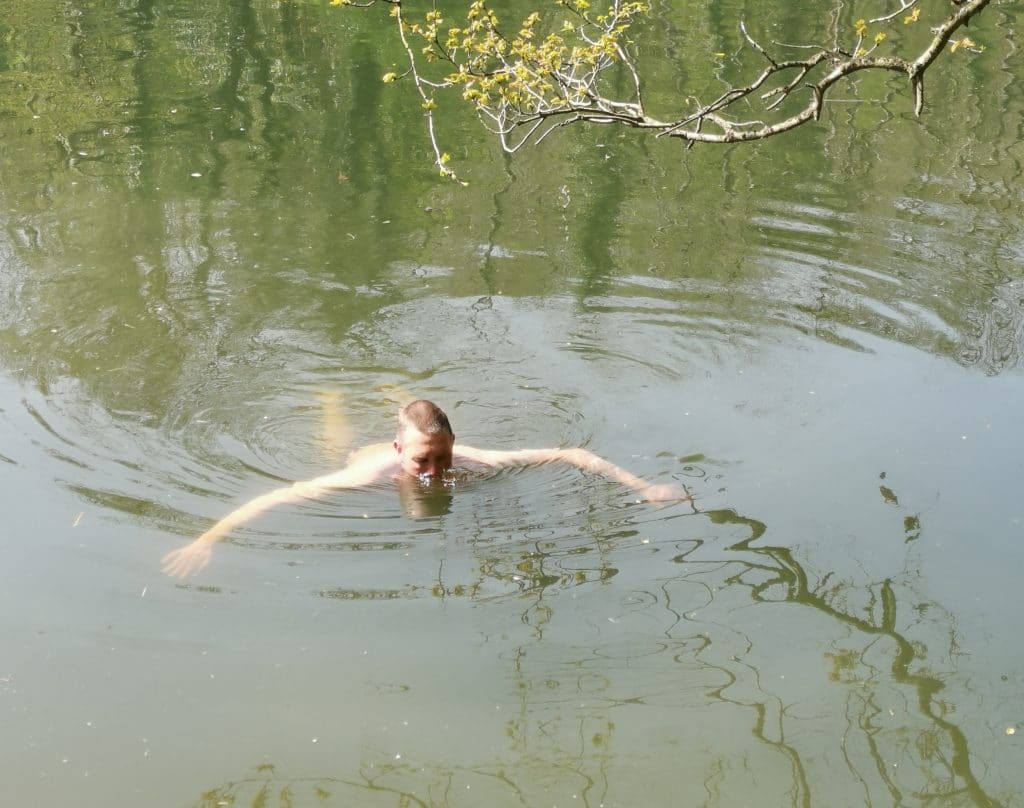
424,416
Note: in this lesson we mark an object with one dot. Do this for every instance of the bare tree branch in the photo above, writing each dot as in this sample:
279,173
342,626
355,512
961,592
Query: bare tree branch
842,65
524,85
907,5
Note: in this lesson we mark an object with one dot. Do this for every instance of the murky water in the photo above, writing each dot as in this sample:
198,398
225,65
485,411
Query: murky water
224,264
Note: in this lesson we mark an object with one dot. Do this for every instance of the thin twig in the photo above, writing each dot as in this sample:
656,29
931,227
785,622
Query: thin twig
907,4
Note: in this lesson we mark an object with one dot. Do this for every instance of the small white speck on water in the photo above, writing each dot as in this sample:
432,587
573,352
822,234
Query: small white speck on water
196,174
1011,730
314,740
398,756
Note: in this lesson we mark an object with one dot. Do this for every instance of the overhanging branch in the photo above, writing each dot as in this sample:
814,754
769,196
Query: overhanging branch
694,127
525,84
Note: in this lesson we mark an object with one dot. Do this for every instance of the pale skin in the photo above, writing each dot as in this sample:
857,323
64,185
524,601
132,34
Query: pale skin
412,454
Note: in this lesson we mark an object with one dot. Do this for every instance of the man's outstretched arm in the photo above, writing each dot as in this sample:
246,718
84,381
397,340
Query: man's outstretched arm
581,459
187,560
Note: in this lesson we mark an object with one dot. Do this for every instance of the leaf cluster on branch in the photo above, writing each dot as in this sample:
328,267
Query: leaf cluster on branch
564,66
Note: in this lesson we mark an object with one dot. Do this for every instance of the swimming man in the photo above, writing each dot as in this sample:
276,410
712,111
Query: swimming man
424,447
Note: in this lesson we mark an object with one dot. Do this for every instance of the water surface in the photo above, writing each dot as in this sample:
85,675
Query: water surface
224,264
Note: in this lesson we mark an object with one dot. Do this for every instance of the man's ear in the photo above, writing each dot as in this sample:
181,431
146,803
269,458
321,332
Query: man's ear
397,445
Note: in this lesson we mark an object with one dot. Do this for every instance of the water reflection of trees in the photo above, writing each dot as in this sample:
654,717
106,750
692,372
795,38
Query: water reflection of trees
260,100
939,749
712,640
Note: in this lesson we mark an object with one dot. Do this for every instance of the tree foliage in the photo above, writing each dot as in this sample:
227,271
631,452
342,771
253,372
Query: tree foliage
565,64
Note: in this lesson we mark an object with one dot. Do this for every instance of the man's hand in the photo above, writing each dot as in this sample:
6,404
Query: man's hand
669,492
188,560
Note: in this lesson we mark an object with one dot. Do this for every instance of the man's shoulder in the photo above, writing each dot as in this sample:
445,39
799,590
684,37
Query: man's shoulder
501,457
375,456
470,454
372,451
365,466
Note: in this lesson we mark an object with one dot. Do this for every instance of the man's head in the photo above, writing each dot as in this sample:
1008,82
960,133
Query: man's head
425,439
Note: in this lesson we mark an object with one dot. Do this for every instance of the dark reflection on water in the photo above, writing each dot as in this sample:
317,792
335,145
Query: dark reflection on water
941,761
421,500
629,609
582,700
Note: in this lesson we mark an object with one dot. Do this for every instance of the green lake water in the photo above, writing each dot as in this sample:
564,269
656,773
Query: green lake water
225,262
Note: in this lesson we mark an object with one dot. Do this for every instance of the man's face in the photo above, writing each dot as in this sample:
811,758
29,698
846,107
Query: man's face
424,454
